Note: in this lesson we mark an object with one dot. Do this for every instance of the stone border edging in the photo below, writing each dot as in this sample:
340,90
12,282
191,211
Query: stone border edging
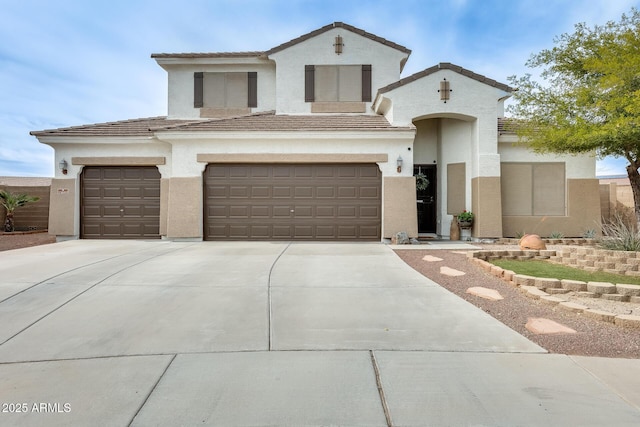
543,289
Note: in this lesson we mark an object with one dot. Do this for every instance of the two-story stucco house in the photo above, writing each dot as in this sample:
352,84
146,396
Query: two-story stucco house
315,139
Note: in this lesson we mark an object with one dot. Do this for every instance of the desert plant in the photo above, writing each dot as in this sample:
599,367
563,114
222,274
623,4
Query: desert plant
619,235
11,202
520,234
589,234
556,235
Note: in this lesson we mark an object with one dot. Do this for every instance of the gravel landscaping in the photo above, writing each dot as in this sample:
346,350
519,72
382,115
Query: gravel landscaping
593,338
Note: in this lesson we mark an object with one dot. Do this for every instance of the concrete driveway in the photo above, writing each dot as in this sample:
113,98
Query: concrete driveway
251,333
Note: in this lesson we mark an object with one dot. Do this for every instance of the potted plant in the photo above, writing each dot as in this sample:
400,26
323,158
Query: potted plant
465,219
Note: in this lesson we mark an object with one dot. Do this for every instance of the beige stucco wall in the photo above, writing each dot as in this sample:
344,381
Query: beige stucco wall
399,206
583,213
164,205
63,208
487,206
184,208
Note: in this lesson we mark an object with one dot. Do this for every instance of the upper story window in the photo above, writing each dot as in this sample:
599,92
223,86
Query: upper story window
225,90
338,83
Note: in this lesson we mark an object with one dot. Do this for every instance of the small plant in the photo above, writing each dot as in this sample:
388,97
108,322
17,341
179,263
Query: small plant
465,216
589,234
11,202
520,234
619,235
556,235
421,181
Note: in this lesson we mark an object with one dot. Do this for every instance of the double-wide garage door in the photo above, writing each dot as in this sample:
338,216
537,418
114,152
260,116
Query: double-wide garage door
120,203
292,201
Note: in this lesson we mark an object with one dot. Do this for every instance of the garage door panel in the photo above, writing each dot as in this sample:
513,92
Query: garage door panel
238,211
217,191
282,211
303,192
240,192
281,192
260,192
120,202
325,192
347,192
337,202
369,192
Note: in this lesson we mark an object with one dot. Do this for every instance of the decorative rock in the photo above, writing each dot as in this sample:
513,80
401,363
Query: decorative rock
601,287
573,285
532,241
600,315
571,306
400,238
629,290
431,258
451,272
490,294
635,300
628,321
548,327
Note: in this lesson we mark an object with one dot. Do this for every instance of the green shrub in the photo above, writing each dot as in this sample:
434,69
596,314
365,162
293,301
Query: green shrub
619,236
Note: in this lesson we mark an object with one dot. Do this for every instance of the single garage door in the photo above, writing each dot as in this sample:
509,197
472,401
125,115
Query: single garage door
120,203
292,201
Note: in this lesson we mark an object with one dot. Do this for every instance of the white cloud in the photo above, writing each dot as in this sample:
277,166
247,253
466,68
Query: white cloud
73,62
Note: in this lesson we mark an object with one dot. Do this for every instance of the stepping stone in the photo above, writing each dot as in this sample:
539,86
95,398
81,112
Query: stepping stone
451,272
490,294
540,326
431,258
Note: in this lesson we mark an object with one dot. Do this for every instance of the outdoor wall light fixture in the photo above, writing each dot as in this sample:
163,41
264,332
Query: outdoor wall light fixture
445,90
338,45
399,163
63,166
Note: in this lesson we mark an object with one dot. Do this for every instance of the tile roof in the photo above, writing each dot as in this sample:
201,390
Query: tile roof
259,122
133,127
446,66
284,45
251,54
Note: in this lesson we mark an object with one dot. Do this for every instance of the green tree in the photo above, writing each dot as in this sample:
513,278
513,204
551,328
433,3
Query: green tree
590,98
11,202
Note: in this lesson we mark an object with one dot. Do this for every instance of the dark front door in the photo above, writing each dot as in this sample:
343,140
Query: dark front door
426,199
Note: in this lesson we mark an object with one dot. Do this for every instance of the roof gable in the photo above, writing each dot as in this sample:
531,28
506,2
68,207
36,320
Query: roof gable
446,66
338,25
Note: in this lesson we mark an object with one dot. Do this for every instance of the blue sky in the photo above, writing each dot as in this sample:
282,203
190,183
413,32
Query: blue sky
73,62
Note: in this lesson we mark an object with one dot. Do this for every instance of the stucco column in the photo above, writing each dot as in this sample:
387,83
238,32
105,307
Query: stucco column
486,202
400,211
63,212
184,208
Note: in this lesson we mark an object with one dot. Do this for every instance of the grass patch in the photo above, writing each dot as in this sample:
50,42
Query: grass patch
557,271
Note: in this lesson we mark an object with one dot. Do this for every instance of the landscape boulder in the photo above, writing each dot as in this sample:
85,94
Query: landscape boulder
532,242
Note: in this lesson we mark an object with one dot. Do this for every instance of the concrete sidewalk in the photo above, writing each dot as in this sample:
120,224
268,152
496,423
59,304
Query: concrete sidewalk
254,333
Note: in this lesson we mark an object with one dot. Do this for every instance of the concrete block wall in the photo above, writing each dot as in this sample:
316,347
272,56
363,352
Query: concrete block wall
32,216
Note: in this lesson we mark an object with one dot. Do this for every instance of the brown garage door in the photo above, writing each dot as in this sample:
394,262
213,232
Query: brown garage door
288,202
120,203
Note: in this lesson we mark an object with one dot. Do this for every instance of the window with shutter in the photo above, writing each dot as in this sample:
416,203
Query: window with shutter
229,90
337,83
